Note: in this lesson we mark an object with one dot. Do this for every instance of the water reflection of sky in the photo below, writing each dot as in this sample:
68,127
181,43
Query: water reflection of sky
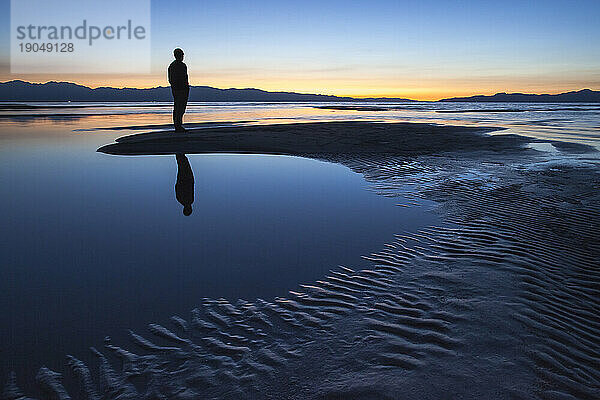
93,245
555,121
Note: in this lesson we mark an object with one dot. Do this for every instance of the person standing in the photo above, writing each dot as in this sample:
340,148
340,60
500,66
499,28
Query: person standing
180,87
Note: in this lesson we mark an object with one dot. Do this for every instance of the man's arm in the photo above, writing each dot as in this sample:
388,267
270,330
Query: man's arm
170,74
185,76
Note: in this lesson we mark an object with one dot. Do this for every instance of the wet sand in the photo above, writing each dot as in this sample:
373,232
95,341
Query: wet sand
408,139
500,301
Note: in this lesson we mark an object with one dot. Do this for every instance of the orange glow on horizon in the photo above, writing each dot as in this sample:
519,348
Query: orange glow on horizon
430,90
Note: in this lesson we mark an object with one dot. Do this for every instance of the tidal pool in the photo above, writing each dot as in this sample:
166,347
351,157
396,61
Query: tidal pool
94,245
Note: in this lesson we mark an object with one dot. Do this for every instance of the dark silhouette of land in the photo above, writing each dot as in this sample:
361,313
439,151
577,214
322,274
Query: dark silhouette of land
580,96
341,138
332,138
65,91
184,187
180,88
18,90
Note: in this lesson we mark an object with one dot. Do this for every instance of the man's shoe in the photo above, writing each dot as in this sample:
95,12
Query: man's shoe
180,129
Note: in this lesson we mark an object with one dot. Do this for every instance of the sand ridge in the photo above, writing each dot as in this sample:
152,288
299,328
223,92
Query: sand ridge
408,139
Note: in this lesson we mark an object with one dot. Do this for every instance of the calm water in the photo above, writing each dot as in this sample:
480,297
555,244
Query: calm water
578,122
94,245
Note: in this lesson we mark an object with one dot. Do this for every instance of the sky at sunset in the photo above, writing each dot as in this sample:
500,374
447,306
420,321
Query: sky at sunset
417,49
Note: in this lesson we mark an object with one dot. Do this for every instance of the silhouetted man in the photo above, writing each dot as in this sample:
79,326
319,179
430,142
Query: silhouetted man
180,87
184,187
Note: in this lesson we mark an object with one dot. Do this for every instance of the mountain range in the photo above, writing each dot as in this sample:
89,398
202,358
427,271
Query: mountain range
18,90
65,91
580,96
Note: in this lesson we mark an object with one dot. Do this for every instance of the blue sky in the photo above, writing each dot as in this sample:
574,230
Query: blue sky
424,49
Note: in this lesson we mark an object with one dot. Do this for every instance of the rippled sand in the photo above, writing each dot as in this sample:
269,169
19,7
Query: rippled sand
501,301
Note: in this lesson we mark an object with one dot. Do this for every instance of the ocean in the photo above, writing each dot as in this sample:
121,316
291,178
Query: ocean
95,245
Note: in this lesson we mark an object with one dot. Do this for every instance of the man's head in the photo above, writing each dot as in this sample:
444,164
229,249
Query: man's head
187,210
178,53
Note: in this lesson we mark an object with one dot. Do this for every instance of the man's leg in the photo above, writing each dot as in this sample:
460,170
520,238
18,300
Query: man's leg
180,98
175,108
175,115
183,104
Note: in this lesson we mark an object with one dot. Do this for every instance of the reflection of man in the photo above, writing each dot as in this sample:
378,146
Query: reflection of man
180,87
184,187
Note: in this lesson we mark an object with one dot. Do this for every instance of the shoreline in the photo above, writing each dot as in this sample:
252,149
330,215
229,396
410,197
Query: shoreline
482,293
401,139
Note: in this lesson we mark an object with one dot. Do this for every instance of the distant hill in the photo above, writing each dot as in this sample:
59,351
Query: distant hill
66,91
581,96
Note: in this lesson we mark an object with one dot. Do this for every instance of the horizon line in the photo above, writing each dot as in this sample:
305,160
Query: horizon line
301,93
